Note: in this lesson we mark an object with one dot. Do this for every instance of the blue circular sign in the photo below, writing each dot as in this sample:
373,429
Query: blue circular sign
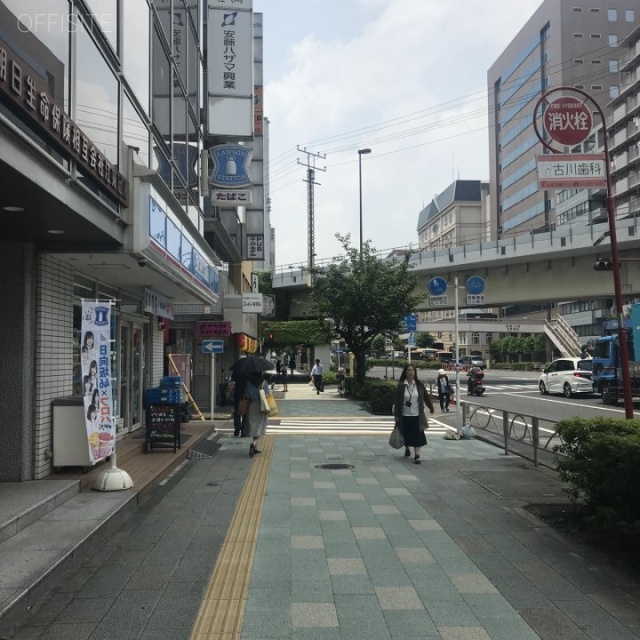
475,285
437,286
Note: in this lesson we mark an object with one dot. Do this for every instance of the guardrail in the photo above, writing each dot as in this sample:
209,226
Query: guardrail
513,428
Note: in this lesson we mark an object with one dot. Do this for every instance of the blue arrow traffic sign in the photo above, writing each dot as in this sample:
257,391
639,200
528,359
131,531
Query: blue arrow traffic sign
213,346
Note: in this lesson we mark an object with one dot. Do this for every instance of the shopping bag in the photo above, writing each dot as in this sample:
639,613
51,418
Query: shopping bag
264,403
273,407
396,439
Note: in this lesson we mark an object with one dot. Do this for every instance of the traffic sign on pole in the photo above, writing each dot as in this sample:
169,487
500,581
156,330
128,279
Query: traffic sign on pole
213,346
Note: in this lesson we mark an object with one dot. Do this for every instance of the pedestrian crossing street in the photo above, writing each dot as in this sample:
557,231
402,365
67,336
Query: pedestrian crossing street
373,426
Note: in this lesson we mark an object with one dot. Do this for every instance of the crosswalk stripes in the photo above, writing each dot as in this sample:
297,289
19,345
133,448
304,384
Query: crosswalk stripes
342,426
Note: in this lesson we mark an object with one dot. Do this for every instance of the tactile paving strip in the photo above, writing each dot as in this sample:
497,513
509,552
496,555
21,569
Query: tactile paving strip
222,611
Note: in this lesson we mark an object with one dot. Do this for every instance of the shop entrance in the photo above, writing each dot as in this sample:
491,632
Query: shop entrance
132,361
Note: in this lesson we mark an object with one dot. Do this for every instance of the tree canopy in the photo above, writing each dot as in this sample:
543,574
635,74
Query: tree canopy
361,296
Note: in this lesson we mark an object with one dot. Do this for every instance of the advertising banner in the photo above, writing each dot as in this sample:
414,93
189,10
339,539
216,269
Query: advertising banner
97,392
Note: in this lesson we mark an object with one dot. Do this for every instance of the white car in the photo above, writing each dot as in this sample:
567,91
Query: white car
567,376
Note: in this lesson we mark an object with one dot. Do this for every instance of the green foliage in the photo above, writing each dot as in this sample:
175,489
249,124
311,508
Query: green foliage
378,343
424,340
600,464
512,348
295,332
364,296
380,395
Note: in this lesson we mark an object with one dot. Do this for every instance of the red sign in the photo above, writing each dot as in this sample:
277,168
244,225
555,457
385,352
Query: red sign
206,329
568,121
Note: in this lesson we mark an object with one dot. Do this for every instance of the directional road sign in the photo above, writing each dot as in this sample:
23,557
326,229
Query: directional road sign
410,322
213,346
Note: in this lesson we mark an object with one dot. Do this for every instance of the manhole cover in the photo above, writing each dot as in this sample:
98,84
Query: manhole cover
335,465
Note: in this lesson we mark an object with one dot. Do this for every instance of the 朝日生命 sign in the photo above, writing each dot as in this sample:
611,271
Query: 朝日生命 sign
572,171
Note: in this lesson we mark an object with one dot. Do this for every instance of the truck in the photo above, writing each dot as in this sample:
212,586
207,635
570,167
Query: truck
606,370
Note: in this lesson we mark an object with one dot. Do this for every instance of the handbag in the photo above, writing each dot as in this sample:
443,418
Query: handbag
243,405
273,407
264,403
396,439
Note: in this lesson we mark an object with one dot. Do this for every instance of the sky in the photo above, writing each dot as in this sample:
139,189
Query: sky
404,78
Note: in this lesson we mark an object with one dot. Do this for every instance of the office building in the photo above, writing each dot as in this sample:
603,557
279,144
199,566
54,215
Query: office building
106,127
563,44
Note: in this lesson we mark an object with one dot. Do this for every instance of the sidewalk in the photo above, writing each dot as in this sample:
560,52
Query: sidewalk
340,537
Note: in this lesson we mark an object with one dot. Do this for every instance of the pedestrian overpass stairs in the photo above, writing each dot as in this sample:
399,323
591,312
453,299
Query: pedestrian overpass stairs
563,337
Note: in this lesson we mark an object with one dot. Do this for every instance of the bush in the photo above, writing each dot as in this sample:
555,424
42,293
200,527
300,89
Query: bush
601,466
379,395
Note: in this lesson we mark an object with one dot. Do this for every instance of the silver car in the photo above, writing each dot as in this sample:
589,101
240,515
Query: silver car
567,376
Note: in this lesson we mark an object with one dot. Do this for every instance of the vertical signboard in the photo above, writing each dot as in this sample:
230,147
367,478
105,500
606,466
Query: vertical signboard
97,392
230,65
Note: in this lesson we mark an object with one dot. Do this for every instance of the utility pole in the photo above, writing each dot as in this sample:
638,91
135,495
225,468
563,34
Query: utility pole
310,164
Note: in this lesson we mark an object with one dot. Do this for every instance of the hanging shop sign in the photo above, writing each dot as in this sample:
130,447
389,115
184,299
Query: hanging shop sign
230,197
246,343
20,85
207,329
157,304
97,392
231,165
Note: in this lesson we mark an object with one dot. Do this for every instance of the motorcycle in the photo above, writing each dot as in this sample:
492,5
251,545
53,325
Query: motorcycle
476,387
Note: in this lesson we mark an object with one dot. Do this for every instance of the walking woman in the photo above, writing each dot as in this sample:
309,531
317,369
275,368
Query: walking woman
411,399
256,418
444,390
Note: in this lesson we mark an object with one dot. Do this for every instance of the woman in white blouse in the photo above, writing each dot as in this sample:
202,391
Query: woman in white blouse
412,398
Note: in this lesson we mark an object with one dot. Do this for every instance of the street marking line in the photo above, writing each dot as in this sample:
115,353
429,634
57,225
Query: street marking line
222,610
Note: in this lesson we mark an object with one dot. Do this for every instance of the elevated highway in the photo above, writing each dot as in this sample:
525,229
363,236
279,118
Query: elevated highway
555,266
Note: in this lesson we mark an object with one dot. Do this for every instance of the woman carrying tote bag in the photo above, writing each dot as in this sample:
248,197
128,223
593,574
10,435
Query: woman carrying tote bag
411,400
256,417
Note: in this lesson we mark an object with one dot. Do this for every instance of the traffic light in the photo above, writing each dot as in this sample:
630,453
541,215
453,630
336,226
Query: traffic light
603,265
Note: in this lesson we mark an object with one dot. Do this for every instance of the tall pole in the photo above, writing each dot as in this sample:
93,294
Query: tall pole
310,180
611,216
457,336
361,152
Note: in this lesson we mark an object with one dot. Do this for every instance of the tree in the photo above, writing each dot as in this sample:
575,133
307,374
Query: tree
424,340
361,296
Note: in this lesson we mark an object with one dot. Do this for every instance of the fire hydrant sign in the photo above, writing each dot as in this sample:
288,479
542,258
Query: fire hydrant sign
572,171
568,121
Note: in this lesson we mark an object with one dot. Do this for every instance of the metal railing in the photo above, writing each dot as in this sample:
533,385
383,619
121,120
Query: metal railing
529,434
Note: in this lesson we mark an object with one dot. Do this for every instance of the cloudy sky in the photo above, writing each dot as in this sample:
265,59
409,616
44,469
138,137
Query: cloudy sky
405,78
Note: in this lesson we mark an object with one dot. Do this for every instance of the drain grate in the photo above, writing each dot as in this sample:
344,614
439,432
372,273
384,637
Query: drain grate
203,449
334,466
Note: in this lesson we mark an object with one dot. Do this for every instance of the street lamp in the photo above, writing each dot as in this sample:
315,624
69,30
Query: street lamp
361,152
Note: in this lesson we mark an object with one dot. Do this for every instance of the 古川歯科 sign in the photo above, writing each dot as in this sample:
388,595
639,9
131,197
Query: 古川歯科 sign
572,171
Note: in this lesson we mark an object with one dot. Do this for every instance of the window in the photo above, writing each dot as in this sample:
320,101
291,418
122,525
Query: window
614,91
578,61
630,15
579,86
596,62
613,40
595,10
475,338
577,9
612,14
577,35
596,35
596,87
614,66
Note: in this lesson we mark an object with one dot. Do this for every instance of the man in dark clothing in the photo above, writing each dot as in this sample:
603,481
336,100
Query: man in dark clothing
240,385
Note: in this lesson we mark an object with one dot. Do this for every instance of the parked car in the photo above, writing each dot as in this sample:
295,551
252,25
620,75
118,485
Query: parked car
567,376
476,361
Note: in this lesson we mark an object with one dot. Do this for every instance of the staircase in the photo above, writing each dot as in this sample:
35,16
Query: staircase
564,338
